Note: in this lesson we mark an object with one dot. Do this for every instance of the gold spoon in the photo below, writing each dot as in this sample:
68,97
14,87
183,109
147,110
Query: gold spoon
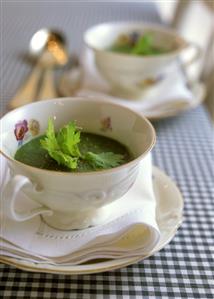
48,47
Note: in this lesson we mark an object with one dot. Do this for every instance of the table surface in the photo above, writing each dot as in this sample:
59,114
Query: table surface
184,150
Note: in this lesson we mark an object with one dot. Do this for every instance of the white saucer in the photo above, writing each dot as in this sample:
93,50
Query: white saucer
169,218
198,90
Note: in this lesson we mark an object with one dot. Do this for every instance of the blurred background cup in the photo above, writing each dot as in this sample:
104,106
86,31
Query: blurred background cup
131,75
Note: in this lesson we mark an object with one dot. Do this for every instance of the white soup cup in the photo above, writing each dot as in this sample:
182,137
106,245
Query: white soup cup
71,200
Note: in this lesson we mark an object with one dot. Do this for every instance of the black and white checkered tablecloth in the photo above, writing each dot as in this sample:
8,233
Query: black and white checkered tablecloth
184,150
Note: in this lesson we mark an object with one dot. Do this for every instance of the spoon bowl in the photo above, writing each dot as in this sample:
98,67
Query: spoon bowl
48,48
51,41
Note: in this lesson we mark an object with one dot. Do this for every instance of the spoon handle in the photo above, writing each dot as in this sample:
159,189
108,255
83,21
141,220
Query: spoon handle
47,90
26,94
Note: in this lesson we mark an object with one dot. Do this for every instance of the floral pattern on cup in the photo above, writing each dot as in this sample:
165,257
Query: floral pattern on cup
34,127
106,124
150,81
23,127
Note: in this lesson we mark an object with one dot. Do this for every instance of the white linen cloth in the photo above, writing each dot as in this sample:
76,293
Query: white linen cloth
172,88
130,231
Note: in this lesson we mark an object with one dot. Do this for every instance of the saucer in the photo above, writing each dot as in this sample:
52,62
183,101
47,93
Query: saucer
169,218
169,97
175,108
171,109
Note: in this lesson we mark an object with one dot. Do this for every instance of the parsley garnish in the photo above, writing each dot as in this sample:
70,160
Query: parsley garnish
63,147
104,160
137,44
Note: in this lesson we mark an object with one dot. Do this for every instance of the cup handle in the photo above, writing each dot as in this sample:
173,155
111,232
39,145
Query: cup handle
195,56
10,196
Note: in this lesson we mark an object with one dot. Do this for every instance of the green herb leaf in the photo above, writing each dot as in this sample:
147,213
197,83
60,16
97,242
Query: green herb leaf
68,139
64,159
63,148
143,45
104,160
50,142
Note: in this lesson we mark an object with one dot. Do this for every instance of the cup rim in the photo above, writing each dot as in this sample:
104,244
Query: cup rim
183,43
103,171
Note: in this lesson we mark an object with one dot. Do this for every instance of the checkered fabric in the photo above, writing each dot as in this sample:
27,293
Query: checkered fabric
184,150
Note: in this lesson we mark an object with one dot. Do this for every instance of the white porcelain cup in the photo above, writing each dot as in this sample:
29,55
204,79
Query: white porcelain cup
72,200
132,75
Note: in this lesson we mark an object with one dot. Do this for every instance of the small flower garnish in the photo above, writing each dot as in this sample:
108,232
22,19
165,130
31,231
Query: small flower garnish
20,129
34,127
106,124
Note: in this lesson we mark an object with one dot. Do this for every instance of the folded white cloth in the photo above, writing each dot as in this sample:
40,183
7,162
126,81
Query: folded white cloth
130,231
172,88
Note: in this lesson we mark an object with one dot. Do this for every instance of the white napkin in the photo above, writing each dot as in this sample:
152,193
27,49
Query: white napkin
172,88
131,230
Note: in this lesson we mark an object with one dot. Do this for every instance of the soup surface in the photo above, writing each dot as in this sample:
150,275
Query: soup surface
137,44
33,154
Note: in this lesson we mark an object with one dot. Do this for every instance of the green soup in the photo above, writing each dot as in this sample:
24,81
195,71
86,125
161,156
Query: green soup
33,154
135,43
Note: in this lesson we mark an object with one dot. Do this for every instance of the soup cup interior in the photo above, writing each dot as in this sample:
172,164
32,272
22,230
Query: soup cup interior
129,128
